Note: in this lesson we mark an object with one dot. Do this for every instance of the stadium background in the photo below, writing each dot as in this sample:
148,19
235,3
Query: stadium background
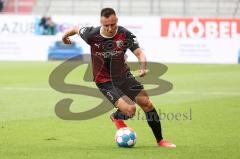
199,42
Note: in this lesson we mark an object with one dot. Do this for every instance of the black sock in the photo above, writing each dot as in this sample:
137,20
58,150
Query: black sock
120,115
155,124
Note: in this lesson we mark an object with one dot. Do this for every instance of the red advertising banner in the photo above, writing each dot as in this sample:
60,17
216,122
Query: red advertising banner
200,27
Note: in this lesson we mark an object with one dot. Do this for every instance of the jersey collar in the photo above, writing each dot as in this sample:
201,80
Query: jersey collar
107,36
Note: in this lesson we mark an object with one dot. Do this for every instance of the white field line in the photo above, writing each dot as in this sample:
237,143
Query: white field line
171,92
24,88
206,93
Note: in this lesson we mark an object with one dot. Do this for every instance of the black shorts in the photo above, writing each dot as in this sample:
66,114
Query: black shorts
117,88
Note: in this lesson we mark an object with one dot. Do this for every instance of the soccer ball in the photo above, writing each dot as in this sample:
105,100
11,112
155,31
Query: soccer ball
125,137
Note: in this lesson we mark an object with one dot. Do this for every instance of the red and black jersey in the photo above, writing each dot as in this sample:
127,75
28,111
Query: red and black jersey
108,54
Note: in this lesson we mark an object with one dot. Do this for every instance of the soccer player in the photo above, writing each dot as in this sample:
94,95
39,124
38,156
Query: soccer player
109,43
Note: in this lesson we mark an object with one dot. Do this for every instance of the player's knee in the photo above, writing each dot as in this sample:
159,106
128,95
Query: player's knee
145,104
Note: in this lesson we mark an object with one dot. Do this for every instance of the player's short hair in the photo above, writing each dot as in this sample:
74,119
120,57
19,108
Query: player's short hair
106,12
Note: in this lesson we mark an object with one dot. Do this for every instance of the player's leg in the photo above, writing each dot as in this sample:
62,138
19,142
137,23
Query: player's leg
126,107
142,99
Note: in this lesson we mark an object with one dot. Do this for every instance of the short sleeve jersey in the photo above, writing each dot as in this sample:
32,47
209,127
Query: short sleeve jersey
108,54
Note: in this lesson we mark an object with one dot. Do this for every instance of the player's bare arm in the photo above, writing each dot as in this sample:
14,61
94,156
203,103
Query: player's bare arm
142,61
67,34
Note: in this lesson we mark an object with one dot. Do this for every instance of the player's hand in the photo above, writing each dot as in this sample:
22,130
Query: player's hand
142,72
66,40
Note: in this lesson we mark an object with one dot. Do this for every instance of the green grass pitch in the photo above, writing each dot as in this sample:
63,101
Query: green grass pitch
208,95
